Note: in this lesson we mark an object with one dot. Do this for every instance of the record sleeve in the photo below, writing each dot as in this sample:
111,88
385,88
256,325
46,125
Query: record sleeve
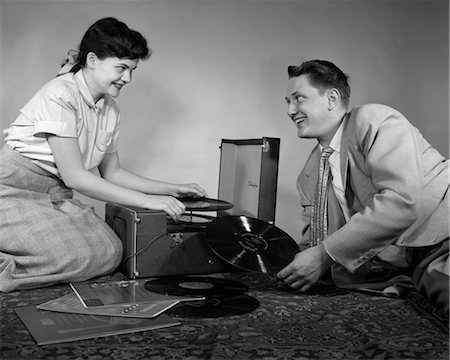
250,244
70,303
202,286
51,327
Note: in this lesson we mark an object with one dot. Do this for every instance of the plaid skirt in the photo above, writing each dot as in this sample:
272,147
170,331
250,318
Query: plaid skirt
46,236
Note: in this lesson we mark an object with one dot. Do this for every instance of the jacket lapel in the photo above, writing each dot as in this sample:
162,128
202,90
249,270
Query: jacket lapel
345,165
344,152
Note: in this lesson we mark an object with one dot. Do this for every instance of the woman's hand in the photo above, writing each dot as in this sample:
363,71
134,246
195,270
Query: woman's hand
171,206
189,190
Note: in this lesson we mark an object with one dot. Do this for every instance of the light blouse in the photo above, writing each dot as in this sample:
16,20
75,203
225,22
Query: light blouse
65,107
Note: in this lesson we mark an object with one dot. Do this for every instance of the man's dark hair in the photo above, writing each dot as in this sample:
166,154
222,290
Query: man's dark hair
323,75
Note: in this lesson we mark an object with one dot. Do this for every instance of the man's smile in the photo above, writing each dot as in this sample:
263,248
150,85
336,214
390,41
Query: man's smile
299,120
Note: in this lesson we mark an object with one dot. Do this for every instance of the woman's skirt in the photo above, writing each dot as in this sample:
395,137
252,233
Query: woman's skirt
46,236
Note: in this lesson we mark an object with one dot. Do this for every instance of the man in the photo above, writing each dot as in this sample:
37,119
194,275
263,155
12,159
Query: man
387,199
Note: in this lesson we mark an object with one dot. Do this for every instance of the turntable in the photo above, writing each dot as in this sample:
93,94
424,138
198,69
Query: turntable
155,246
194,220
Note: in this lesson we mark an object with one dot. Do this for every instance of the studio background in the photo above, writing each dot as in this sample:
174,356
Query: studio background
219,71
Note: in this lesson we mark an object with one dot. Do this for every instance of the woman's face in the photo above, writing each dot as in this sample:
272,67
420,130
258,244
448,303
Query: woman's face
109,75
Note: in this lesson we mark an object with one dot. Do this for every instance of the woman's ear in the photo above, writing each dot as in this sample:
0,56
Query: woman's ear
334,97
91,60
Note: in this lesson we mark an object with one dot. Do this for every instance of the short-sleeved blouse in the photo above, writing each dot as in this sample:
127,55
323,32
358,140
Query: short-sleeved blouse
65,107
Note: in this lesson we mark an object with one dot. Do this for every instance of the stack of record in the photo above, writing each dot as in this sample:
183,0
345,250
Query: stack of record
246,243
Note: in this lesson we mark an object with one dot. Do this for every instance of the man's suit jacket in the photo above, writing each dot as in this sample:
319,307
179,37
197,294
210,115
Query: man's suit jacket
395,183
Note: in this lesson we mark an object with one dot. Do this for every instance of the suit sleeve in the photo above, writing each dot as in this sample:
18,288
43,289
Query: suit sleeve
389,151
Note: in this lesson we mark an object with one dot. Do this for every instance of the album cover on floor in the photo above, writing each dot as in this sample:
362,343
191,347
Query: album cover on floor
71,304
97,294
49,327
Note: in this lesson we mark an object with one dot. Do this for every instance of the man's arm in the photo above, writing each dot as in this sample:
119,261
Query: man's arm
387,156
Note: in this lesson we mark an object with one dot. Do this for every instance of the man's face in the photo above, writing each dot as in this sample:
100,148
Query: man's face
309,108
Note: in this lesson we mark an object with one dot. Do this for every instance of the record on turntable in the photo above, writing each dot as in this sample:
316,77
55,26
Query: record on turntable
250,244
195,221
204,204
202,286
215,307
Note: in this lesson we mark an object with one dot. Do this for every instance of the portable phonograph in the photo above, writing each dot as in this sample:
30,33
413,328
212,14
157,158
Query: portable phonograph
240,237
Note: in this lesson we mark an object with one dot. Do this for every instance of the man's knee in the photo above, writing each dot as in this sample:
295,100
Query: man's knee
431,276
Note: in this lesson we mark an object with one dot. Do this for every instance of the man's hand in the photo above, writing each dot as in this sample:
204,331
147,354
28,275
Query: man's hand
306,268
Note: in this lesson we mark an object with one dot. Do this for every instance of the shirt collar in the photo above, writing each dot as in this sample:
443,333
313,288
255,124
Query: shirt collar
335,142
86,94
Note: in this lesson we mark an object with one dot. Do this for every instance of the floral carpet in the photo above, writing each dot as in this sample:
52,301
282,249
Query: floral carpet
325,323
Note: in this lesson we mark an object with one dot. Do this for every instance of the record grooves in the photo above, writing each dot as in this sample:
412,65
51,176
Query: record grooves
201,286
250,244
204,204
215,307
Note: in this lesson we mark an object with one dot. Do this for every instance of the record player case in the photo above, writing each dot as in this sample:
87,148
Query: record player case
153,246
248,177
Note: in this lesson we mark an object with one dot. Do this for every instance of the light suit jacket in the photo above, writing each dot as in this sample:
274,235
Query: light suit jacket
395,183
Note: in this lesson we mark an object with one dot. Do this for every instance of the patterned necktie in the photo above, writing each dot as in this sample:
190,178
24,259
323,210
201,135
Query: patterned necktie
318,229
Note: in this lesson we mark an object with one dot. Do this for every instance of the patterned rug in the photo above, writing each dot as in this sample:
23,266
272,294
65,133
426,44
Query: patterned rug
325,323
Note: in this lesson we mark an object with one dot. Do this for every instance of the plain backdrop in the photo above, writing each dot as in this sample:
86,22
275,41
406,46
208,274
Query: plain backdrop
219,71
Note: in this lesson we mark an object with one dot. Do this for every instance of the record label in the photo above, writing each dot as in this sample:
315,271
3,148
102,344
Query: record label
202,286
215,307
253,242
250,244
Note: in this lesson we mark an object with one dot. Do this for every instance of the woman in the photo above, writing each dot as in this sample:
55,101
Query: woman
67,129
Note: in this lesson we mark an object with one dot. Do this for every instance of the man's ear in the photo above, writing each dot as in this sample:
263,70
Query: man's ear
91,60
334,97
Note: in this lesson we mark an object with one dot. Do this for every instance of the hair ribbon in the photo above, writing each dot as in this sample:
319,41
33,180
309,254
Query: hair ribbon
68,63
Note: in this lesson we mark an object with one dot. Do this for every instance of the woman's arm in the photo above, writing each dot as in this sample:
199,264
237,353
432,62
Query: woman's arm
68,161
110,170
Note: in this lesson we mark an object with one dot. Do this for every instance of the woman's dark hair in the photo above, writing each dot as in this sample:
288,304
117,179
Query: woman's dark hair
110,37
323,75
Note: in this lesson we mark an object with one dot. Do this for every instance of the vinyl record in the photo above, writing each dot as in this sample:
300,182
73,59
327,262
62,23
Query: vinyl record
204,204
250,244
201,286
215,307
195,221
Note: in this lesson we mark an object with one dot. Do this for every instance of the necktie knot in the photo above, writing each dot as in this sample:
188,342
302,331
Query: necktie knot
326,152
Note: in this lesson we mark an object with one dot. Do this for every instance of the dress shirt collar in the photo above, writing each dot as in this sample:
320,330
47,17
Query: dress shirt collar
335,142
